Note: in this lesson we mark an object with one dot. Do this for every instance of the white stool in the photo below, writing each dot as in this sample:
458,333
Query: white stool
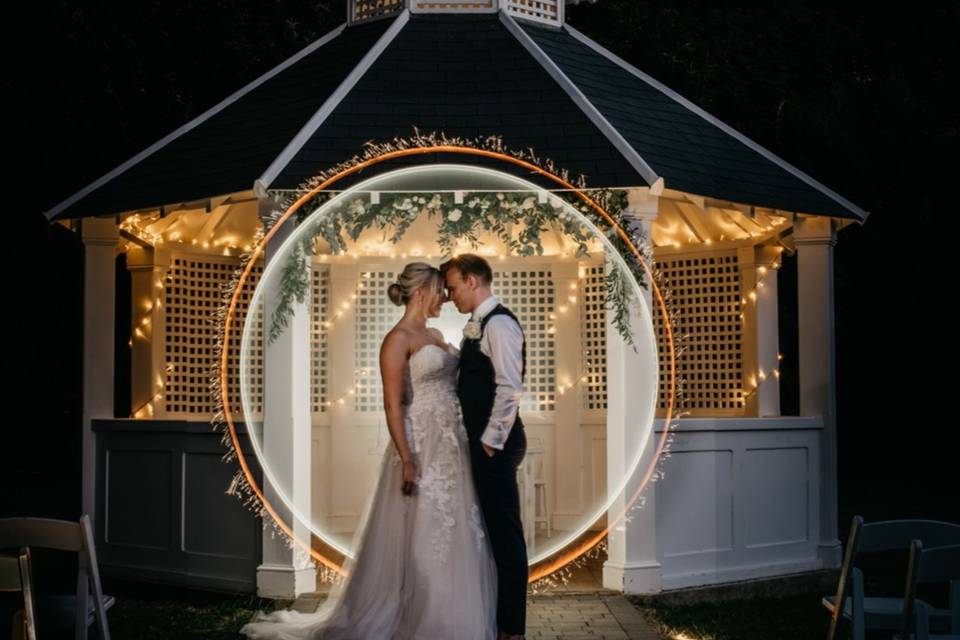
541,495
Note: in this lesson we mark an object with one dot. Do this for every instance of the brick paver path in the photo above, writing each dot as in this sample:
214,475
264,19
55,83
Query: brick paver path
593,616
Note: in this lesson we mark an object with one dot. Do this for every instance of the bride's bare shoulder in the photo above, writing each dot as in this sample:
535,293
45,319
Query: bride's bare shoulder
397,341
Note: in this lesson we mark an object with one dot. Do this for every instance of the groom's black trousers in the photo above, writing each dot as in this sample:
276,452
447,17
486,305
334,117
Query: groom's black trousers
496,483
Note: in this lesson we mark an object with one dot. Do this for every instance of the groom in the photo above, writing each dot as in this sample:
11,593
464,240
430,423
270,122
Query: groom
490,384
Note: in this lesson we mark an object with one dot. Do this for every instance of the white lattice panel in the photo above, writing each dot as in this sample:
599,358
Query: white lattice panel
361,10
319,330
593,336
550,11
190,298
706,293
452,6
529,295
375,316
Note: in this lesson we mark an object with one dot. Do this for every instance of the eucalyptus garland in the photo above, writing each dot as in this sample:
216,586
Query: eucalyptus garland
465,218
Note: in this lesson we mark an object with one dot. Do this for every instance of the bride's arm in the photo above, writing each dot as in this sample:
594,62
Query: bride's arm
393,359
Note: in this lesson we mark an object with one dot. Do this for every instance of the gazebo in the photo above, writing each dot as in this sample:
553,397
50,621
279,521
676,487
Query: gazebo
747,492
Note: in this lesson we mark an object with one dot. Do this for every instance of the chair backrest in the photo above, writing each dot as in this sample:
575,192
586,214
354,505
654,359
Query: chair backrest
41,532
893,535
64,535
885,535
940,564
10,573
15,575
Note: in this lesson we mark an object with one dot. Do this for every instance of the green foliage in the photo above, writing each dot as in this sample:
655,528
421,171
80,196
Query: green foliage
498,213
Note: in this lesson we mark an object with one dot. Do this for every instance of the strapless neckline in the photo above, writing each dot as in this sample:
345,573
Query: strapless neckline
445,349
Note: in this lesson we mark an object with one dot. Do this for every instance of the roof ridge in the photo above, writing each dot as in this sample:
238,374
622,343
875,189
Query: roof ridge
191,124
333,100
630,154
754,146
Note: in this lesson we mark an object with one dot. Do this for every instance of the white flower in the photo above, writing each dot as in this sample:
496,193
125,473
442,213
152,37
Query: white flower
356,207
528,203
454,215
471,330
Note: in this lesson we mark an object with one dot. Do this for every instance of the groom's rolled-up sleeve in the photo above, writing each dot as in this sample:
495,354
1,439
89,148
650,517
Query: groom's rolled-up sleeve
503,344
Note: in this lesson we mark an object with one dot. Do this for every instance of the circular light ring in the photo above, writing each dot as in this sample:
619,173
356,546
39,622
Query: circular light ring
372,184
538,571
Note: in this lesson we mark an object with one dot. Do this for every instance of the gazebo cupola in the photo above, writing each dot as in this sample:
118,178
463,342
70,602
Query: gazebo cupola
545,11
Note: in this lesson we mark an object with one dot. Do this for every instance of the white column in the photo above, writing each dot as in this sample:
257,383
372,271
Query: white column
815,237
286,572
148,269
100,237
761,334
347,494
569,486
632,564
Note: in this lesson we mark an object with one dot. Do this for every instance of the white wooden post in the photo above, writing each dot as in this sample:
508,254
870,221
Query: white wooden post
346,493
761,333
632,564
569,490
286,572
100,237
148,269
815,237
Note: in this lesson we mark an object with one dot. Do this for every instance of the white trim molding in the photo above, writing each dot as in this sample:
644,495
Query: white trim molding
296,144
629,153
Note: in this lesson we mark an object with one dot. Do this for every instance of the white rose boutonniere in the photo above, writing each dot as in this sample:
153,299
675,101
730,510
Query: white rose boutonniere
471,330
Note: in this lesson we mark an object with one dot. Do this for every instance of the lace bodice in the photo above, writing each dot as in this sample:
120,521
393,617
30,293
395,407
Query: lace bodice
430,396
430,374
436,435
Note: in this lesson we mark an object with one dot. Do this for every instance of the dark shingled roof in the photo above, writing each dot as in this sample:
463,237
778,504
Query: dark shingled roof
465,75
690,153
227,152
468,76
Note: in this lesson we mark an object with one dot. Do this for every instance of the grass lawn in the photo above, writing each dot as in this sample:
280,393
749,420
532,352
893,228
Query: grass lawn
132,618
791,618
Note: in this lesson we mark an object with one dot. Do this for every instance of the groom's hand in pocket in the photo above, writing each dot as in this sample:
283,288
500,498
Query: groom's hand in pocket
488,449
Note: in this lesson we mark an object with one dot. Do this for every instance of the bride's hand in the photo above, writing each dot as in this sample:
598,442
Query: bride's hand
409,477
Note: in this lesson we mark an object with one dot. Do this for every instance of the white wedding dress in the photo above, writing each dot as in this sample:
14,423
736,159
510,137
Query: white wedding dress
423,565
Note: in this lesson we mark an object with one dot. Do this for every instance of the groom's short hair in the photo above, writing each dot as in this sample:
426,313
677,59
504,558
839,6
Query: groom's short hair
467,264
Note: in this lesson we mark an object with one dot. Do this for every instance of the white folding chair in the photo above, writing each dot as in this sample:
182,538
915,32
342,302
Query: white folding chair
851,604
65,535
940,564
15,575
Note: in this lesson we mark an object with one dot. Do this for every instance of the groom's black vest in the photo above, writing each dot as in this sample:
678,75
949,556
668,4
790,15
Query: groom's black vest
476,384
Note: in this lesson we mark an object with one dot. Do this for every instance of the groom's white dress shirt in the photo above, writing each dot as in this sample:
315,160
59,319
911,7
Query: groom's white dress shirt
502,342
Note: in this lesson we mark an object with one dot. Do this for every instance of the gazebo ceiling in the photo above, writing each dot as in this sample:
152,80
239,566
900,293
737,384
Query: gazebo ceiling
469,75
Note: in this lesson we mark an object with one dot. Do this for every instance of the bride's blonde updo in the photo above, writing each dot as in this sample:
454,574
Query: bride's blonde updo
415,275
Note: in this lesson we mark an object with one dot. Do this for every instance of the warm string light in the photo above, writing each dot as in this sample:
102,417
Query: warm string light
137,225
245,487
147,407
762,272
759,377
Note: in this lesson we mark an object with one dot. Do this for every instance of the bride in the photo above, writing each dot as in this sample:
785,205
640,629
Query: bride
423,567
